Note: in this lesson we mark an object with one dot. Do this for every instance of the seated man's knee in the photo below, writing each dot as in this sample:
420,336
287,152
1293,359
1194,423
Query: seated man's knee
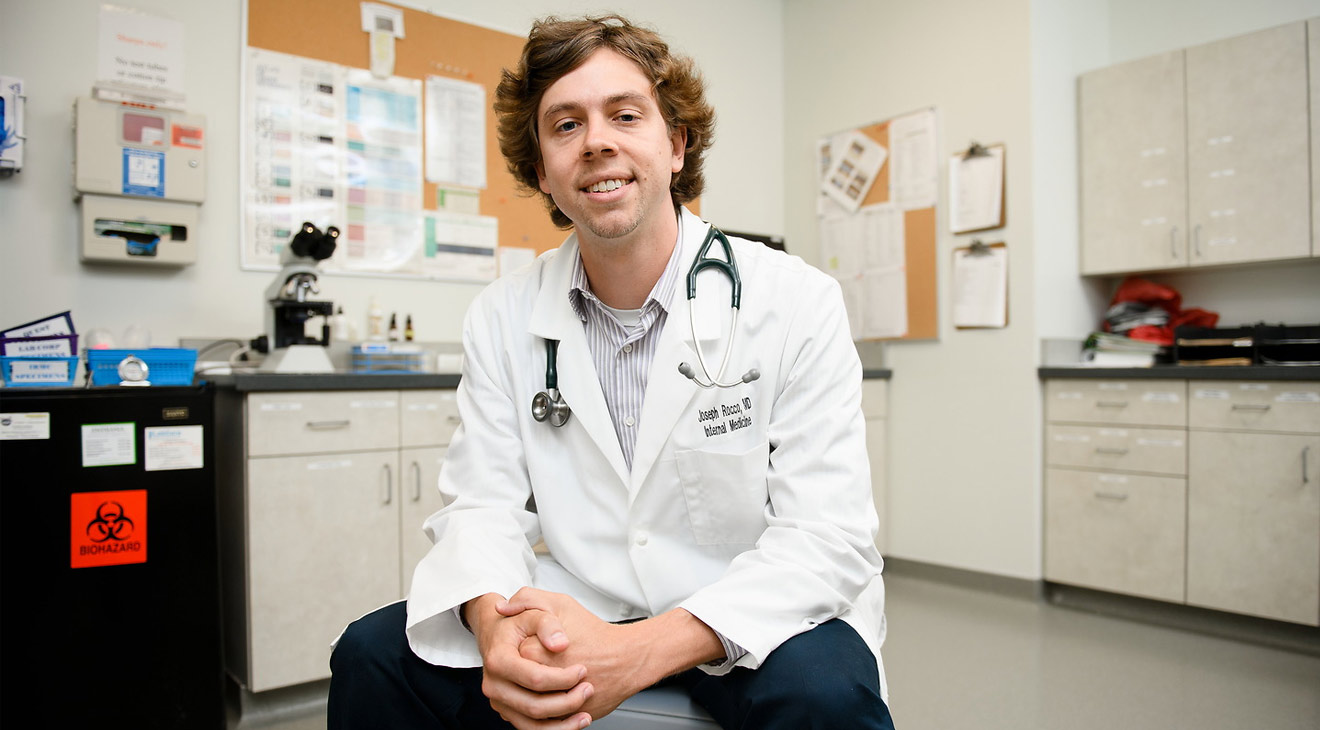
370,639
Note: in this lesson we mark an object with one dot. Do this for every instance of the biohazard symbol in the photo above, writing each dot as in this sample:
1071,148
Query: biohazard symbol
110,523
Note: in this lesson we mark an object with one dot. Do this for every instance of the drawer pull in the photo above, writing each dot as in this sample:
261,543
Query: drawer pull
417,482
1306,478
1111,403
1251,406
1173,242
328,425
453,418
389,484
1111,496
1110,450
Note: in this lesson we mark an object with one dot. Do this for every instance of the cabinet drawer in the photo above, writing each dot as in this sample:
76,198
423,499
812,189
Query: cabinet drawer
875,398
1133,402
427,417
1121,533
1235,405
311,423
1121,448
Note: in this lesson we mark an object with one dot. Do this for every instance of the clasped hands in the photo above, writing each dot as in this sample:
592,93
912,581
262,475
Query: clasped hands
550,664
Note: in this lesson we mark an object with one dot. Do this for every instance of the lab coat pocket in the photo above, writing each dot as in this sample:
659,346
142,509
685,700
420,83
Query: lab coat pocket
726,494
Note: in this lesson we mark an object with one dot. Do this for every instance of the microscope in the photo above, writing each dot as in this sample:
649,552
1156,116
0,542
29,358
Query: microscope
288,306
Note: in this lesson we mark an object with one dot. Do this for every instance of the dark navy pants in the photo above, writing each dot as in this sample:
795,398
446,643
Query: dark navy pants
825,678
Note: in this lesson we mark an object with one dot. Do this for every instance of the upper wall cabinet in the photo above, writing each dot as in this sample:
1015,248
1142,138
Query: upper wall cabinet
1313,41
1198,157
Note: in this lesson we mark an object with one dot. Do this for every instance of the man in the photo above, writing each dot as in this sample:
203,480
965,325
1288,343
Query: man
721,535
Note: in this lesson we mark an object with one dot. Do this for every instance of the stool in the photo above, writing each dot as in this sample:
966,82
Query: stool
658,708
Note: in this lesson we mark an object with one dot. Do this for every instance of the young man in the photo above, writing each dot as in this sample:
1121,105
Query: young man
718,534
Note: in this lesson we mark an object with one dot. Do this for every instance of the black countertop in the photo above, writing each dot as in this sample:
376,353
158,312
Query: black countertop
1189,372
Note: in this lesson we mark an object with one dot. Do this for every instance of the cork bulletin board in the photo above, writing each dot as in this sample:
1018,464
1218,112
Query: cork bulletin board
331,31
918,273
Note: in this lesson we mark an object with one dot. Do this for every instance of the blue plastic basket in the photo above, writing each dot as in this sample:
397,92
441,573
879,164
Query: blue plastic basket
38,372
166,365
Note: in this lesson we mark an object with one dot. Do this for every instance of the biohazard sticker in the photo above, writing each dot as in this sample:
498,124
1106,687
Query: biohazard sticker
108,528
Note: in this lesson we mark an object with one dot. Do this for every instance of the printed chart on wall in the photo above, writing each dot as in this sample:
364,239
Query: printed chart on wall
875,205
374,119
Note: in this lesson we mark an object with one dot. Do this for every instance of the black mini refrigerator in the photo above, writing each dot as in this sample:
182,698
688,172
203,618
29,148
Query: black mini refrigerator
110,615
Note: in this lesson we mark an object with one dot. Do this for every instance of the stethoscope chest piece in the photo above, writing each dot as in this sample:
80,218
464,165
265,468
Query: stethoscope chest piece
549,405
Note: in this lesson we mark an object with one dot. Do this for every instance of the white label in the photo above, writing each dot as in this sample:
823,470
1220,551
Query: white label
1072,437
172,447
1160,396
281,406
335,464
39,370
1223,241
423,407
1254,386
109,444
372,404
1153,152
1225,139
1155,182
1159,442
1223,213
1156,221
1210,394
1113,479
1069,395
1117,432
1113,386
24,426
1226,172
1298,396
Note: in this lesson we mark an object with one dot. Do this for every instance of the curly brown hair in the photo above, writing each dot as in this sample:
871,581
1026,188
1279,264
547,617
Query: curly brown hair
556,47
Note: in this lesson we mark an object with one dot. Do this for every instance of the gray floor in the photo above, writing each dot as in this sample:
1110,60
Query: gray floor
965,658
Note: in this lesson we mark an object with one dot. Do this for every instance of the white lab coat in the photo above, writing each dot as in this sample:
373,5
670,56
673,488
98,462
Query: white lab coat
762,530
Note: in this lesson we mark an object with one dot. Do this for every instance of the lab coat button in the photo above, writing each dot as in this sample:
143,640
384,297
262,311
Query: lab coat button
640,539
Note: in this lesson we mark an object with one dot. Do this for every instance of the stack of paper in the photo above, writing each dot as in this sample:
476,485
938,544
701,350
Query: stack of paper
1108,350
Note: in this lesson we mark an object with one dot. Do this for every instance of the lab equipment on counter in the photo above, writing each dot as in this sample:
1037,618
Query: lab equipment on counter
288,307
142,366
141,175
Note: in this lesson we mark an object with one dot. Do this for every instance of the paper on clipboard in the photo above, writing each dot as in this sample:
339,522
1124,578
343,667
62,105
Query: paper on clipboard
976,190
980,286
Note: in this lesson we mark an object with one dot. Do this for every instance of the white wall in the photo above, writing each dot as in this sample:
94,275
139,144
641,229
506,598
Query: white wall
52,46
963,415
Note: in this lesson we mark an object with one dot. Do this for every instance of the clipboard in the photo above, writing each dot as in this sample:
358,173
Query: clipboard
980,286
976,189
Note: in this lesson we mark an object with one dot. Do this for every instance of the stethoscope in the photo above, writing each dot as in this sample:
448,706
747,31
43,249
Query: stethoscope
549,404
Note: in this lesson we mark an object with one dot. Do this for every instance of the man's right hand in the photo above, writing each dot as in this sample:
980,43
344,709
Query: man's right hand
526,693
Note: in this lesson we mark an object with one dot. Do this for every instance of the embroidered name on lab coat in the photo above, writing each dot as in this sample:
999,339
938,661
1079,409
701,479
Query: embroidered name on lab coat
725,417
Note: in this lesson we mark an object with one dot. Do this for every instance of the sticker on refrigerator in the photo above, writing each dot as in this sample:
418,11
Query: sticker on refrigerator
109,444
24,426
108,528
172,447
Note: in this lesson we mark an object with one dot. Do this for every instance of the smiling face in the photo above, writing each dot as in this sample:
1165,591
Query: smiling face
607,154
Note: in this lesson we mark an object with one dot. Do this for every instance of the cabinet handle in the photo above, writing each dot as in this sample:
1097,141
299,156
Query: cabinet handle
1111,496
1173,242
1251,406
1111,403
1110,450
328,425
389,484
1306,477
1196,239
454,419
417,482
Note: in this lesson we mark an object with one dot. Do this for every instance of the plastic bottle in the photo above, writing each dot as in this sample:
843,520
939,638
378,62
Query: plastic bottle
394,327
339,326
408,330
375,321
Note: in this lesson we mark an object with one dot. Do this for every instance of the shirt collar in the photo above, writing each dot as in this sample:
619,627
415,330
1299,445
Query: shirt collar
662,294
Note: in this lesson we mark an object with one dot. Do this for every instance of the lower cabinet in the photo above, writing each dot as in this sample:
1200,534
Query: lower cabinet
1116,532
323,495
1240,532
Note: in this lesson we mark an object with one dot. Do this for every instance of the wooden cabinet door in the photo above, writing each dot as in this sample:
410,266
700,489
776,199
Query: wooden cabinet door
419,498
1253,524
1248,148
323,546
1133,166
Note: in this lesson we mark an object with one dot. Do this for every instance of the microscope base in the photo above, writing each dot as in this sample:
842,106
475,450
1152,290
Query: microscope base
297,359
